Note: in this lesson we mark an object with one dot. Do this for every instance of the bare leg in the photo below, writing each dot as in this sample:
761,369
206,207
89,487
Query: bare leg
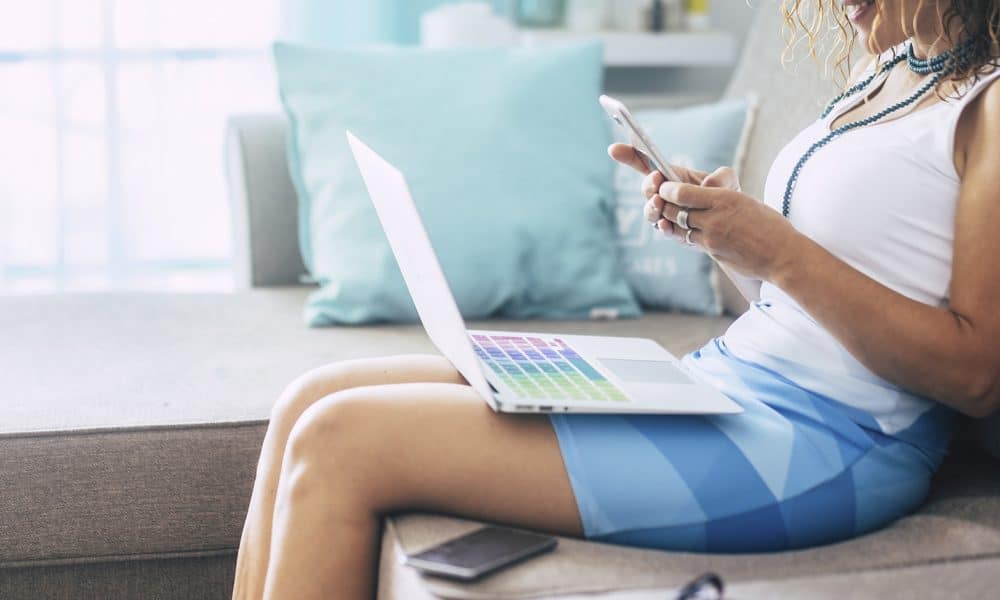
251,564
366,451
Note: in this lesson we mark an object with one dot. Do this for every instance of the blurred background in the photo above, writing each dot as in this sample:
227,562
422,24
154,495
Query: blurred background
112,114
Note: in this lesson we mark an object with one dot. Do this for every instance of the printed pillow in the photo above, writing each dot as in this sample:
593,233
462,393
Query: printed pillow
665,274
504,151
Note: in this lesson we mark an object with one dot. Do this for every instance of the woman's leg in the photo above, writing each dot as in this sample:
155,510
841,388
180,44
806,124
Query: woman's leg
251,564
363,452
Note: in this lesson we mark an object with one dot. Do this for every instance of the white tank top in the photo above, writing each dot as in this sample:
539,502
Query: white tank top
882,198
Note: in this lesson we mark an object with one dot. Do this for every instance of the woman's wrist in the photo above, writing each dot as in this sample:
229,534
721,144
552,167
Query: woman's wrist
792,258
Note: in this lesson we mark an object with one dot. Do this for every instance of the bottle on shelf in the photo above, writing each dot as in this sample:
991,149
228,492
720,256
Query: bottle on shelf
698,15
665,16
655,17
673,15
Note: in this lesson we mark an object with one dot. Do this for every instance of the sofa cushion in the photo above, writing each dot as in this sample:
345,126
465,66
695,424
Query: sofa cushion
504,152
132,422
959,521
939,581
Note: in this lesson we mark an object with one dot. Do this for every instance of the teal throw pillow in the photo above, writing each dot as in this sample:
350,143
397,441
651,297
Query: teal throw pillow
504,152
663,273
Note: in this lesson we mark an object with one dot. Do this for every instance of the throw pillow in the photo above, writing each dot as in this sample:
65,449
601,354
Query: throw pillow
504,151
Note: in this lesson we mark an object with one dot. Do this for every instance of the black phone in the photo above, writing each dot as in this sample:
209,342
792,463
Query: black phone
483,551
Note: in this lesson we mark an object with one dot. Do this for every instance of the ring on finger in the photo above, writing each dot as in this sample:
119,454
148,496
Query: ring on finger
682,219
687,237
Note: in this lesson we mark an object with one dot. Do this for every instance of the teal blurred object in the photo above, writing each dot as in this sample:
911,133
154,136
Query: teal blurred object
504,151
663,273
339,23
540,13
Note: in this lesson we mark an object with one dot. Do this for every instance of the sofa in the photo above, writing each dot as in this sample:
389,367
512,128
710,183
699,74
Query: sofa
131,422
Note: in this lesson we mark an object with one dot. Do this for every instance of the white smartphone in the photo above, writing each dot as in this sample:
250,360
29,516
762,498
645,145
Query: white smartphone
637,137
481,552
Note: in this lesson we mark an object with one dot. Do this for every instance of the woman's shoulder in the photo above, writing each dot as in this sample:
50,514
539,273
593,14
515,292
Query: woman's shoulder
981,91
977,122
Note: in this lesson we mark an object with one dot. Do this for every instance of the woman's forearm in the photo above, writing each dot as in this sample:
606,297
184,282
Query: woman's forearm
748,287
929,351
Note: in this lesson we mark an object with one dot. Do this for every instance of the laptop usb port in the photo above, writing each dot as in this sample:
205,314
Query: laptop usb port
544,409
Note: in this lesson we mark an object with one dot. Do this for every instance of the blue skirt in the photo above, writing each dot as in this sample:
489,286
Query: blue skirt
791,471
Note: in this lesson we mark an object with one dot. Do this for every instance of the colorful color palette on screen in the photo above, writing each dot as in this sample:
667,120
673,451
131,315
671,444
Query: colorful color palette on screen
535,368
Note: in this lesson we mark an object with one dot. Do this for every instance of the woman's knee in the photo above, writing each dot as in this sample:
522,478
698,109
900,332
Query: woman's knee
329,379
306,389
332,448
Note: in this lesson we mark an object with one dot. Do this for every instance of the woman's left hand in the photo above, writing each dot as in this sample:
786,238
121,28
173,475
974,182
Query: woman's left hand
735,229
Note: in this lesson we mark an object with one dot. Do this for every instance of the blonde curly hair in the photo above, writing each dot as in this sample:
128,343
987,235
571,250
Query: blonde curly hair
822,27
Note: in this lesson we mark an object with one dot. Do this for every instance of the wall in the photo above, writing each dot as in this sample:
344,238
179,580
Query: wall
346,22
733,16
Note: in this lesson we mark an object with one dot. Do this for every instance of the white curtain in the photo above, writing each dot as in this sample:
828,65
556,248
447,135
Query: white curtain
111,136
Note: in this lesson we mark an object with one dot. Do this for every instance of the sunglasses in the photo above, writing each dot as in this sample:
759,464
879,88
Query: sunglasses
706,587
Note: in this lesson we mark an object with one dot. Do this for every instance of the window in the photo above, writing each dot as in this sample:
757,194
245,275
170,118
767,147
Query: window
112,118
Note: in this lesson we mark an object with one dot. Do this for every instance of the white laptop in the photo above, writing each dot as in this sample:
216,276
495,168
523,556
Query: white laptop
521,372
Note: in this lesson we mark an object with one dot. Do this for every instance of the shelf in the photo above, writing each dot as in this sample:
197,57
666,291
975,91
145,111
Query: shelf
625,49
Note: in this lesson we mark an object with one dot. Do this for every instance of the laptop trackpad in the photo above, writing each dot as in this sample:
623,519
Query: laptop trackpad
645,371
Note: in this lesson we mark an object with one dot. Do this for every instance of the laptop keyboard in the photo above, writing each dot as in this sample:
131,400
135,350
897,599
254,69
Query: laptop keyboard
536,368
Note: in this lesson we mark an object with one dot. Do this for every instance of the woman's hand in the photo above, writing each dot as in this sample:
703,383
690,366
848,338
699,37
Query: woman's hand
743,234
628,156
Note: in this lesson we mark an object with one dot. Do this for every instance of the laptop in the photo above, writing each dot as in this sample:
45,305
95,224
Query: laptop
523,372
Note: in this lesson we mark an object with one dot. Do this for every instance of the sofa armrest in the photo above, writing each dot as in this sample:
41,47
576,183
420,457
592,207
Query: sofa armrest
263,202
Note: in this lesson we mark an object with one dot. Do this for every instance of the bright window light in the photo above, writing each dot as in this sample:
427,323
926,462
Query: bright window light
112,118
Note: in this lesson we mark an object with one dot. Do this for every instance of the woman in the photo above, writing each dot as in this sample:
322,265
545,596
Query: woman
878,293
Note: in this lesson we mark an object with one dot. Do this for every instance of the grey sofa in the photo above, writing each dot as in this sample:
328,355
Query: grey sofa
130,425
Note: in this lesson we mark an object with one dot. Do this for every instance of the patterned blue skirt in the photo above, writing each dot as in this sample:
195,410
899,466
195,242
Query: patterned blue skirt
791,471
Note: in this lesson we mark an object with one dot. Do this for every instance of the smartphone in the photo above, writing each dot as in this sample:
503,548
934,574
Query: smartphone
637,137
481,552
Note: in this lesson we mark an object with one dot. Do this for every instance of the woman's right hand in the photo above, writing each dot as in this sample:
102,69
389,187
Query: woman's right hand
653,211
628,156
724,178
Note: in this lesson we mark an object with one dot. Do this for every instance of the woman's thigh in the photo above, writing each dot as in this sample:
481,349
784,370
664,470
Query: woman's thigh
438,447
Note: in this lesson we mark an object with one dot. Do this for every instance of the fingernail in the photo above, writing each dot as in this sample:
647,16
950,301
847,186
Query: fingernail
666,191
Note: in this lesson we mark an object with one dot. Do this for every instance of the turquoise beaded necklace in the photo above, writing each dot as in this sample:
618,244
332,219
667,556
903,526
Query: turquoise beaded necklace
939,65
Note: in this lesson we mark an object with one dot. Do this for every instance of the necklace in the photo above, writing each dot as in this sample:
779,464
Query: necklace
939,65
